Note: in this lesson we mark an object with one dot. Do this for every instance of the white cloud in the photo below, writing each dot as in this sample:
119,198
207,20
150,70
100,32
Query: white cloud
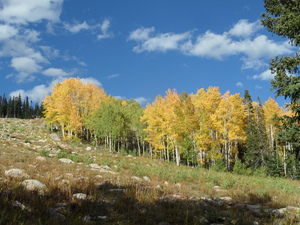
25,64
244,29
160,42
239,84
104,29
19,48
55,72
212,45
141,100
75,28
113,76
141,34
91,80
50,52
266,75
26,11
36,94
39,92
253,64
261,46
7,31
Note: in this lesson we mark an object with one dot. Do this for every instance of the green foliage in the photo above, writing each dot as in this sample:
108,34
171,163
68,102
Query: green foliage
219,166
44,153
260,172
282,18
240,168
275,166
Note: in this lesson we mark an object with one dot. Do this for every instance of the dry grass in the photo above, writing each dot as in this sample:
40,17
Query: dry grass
173,194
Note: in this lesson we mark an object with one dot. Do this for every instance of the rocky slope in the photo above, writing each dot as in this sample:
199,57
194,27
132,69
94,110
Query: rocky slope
44,180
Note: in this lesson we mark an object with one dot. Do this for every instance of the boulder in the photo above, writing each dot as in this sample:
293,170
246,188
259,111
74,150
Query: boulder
55,137
33,185
16,173
80,196
64,160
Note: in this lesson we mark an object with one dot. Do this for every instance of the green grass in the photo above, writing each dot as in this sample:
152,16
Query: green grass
173,195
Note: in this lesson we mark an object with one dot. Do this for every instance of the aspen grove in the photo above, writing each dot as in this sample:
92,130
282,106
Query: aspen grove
204,129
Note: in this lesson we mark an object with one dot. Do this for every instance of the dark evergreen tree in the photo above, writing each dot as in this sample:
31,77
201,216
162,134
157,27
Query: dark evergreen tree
18,107
282,18
256,140
26,109
3,112
10,108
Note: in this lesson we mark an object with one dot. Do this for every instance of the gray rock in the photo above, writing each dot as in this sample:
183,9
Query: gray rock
105,167
64,160
136,178
40,158
55,137
16,173
20,205
80,196
95,166
146,178
33,185
56,215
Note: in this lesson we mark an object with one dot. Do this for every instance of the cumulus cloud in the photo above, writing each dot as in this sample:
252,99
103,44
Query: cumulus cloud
91,80
239,84
210,44
75,28
7,31
25,64
244,29
50,52
266,75
55,72
26,11
113,76
104,29
253,64
38,93
141,100
149,41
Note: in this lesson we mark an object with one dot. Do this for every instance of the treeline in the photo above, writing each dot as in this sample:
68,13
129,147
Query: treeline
15,107
223,132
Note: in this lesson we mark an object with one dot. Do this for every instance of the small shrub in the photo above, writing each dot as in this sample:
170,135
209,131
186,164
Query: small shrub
219,166
260,172
44,153
240,168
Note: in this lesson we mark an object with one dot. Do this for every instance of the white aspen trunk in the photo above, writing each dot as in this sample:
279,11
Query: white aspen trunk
284,163
138,143
63,131
150,149
177,156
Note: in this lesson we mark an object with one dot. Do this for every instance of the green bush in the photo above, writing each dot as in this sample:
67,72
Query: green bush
240,168
219,166
44,153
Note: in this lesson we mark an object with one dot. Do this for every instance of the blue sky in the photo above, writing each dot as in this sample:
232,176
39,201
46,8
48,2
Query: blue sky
137,48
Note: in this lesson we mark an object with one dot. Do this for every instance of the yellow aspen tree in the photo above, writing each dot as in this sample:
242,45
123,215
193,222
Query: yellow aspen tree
69,104
271,110
171,122
206,137
230,117
153,119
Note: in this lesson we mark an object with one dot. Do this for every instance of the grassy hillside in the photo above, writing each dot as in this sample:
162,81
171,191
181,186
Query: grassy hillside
99,187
